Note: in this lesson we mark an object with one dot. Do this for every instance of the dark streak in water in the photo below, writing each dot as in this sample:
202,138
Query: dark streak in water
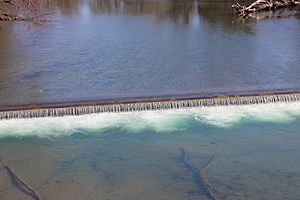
19,183
199,177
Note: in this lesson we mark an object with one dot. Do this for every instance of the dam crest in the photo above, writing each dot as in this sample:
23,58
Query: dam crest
142,105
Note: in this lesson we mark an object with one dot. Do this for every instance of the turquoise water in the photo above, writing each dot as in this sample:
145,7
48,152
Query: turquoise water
254,150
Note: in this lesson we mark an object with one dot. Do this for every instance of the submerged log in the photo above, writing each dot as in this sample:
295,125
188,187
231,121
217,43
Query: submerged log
18,182
199,176
263,5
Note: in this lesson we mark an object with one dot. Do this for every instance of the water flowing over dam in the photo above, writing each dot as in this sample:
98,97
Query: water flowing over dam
67,109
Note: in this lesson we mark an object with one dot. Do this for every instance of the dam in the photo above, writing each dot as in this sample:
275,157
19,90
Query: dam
60,109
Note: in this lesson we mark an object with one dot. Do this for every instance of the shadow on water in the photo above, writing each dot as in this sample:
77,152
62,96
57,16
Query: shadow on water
215,12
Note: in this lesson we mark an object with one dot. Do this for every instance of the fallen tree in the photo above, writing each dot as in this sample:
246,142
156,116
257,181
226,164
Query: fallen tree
263,5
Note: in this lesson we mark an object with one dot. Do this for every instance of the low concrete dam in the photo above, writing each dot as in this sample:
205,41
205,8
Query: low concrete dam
59,109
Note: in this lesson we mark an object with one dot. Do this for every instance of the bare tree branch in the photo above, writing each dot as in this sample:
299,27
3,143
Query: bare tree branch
262,5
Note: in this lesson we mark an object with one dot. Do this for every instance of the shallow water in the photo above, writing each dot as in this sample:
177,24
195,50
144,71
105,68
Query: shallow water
106,48
255,152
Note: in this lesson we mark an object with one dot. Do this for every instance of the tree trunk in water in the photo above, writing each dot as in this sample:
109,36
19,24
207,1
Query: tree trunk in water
262,5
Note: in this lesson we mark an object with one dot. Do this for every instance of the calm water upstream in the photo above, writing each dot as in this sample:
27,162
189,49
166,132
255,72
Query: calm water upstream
106,48
103,49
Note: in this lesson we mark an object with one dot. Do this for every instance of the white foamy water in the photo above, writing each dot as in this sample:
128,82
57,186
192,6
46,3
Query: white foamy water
159,121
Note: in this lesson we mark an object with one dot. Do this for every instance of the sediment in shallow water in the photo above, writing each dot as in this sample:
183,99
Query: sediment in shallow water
36,112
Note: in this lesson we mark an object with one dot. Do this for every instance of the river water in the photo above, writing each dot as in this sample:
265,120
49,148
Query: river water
254,150
107,49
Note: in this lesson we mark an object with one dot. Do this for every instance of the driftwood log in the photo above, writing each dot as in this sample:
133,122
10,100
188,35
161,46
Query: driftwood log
263,5
18,182
199,176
